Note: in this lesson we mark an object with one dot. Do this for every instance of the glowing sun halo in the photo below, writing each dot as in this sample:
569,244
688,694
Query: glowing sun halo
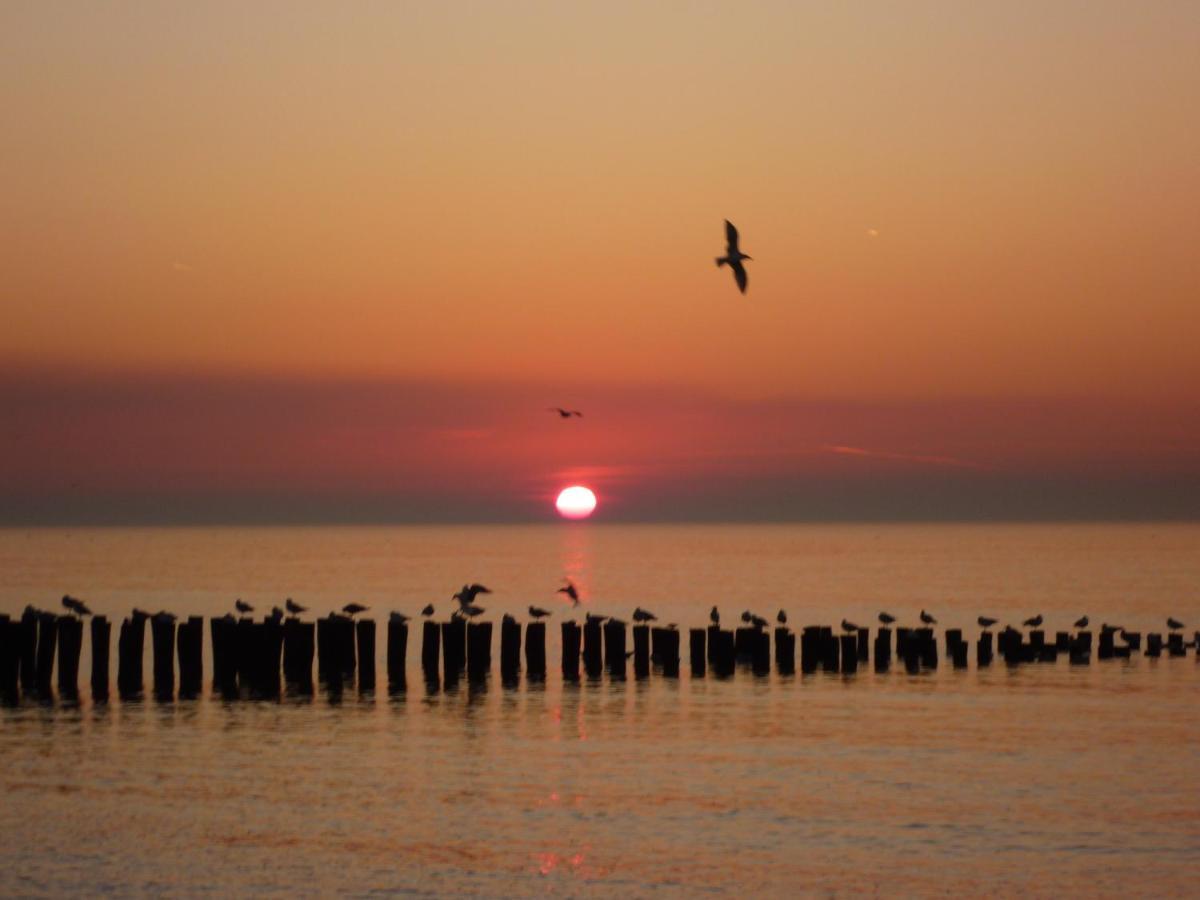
575,502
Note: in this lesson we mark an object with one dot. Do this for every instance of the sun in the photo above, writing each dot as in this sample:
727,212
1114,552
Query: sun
575,502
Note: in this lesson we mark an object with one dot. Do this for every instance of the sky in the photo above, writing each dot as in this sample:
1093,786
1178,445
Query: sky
305,262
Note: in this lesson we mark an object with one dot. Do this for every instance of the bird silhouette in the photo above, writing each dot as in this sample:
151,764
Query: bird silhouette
353,609
1081,623
398,617
565,413
242,606
1035,622
733,256
886,618
538,613
469,611
1174,624
570,591
469,592
276,614
428,610
848,625
644,615
293,607
927,618
508,618
75,605
591,617
781,617
747,616
985,622
714,616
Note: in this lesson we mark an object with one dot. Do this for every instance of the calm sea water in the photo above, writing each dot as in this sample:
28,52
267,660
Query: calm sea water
1044,779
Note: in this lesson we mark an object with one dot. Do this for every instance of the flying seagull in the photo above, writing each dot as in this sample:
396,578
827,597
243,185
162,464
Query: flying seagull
781,617
469,592
76,606
242,606
564,413
570,591
1081,623
714,616
293,607
538,613
886,618
353,609
428,610
733,256
644,615
985,622
927,618
1034,622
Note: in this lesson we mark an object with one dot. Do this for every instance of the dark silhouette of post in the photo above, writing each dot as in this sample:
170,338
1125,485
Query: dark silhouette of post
397,655
883,649
535,651
724,654
46,646
744,640
299,645
571,642
131,643
658,636
614,648
454,649
1154,645
641,651
1081,648
191,657
983,650
27,641
479,650
849,653
864,644
364,631
431,649
785,650
669,652
10,661
593,655
510,649
811,650
162,643
714,640
830,650
223,632
70,643
698,649
761,659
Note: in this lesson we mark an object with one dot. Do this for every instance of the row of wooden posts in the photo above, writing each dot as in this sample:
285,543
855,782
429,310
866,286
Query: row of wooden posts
258,658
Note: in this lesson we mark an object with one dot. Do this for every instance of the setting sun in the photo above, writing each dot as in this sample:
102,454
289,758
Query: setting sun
576,502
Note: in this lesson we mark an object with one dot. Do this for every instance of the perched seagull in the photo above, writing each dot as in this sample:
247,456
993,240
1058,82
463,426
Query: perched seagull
1174,624
644,615
507,617
538,613
781,617
428,610
985,622
594,618
353,609
570,591
848,626
293,607
398,617
76,606
469,592
927,618
759,621
1081,623
242,606
747,616
565,413
276,614
733,256
1034,622
714,616
886,618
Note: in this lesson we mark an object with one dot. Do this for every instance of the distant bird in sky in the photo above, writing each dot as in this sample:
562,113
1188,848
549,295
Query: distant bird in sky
733,256
428,610
469,592
927,618
1174,624
242,606
1081,623
398,617
570,591
781,617
1034,622
985,622
886,618
293,607
644,615
75,605
714,616
353,609
538,613
847,625
565,413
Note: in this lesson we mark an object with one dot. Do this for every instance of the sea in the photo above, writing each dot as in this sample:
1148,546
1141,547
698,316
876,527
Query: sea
1040,779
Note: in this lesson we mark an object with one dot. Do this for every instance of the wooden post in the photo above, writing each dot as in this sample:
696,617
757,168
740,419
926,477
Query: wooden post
223,631
697,645
454,649
162,641
245,640
1062,641
364,631
191,657
641,651
658,637
830,646
1104,647
397,655
785,650
811,649
849,650
714,638
431,648
864,644
70,642
1154,645
27,640
983,650
593,653
883,649
46,645
1175,643
956,648
670,653
510,648
928,648
1081,648
903,638
10,661
743,643
344,634
762,652
1133,639
299,644
479,650
570,650
726,654
614,647
131,643
535,651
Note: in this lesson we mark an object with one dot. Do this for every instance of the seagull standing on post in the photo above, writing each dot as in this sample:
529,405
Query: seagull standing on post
733,256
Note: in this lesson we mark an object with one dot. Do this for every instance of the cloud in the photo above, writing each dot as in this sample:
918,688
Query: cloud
933,460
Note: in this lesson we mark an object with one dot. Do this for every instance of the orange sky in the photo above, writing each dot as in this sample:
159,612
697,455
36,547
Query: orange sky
976,207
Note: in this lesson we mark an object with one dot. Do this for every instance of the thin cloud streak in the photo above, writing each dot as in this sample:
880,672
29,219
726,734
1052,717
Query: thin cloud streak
842,450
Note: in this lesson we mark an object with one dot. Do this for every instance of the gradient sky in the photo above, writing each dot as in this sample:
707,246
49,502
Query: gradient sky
292,261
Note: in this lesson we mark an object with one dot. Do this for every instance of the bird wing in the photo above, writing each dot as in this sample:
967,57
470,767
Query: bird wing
731,237
480,589
739,274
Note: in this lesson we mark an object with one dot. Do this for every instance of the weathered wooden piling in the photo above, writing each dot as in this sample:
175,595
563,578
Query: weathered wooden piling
810,649
927,643
46,646
849,653
1104,646
272,657
983,650
864,645
593,648
1154,645
1175,644
535,651
1081,648
27,640
761,662
131,643
343,630
614,647
162,644
397,654
479,650
510,648
883,649
247,652
656,644
1037,643
431,649
299,645
70,643
223,631
903,636
571,640
1133,639
10,660
698,651
744,640
454,649
670,653
831,650
364,633
190,640
956,648
785,650
641,651
725,656
714,639
1062,641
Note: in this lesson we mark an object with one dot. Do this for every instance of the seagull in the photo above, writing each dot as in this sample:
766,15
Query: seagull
985,622
1174,624
1081,623
781,617
242,606
538,613
353,609
507,617
1034,622
848,626
470,610
886,618
747,616
644,615
276,614
76,606
714,616
570,591
594,618
927,618
398,617
758,621
733,256
428,610
293,607
467,595
565,413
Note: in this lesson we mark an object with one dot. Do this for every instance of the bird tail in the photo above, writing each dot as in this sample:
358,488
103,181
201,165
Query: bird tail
721,260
